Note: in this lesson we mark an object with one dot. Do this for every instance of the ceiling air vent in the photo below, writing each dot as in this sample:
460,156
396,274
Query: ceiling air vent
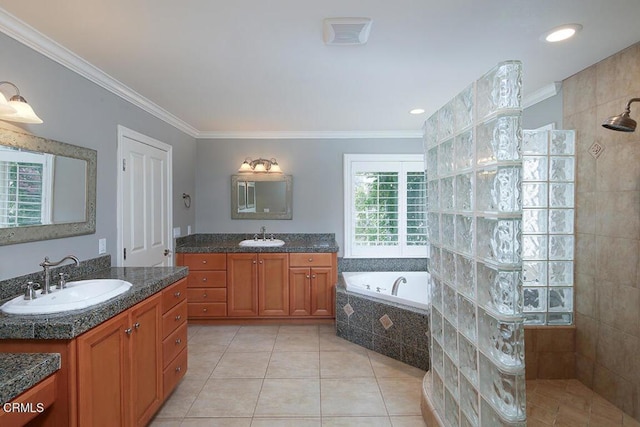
346,31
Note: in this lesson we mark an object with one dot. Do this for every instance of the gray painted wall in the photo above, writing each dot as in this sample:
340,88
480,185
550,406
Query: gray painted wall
543,113
316,166
79,112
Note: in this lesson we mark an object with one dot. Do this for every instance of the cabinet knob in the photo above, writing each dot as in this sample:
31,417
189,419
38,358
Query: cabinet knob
254,261
178,368
310,259
136,325
313,276
204,310
177,294
204,295
204,261
178,341
204,279
260,261
178,317
308,276
128,331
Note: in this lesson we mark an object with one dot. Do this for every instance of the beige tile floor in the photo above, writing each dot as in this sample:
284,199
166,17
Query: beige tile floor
298,376
570,403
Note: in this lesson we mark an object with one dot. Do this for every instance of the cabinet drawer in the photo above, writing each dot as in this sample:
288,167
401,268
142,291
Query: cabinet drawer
174,344
310,259
174,294
205,261
207,279
210,309
207,295
174,318
172,373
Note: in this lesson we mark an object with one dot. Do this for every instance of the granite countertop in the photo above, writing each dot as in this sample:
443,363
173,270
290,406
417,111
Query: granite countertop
225,243
21,371
146,281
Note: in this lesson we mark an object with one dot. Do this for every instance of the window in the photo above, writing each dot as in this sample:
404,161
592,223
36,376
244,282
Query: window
385,206
24,200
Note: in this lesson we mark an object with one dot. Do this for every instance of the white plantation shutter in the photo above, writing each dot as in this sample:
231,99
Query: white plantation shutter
385,206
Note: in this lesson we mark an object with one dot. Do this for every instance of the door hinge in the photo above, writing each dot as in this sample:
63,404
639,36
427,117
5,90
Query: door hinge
125,253
124,165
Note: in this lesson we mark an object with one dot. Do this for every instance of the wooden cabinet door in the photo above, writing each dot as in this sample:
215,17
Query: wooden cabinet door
103,374
242,285
146,360
322,291
273,284
299,291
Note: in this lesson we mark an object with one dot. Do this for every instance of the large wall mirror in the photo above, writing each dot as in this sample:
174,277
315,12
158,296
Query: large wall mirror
47,188
256,196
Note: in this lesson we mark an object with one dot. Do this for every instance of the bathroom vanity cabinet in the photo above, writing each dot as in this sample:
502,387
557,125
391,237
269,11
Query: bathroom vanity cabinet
260,285
120,370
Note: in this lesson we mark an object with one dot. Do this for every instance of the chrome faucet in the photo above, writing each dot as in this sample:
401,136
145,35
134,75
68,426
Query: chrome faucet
46,264
396,285
263,230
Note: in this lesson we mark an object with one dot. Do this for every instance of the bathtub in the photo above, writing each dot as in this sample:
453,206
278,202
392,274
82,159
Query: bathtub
396,326
378,284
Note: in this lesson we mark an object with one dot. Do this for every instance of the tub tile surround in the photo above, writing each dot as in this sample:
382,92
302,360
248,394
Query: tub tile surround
405,340
607,230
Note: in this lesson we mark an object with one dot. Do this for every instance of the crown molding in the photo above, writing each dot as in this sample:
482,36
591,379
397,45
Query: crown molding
29,36
545,92
310,134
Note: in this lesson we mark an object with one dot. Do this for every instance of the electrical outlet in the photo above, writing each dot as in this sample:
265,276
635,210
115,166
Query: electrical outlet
102,246
177,232
188,230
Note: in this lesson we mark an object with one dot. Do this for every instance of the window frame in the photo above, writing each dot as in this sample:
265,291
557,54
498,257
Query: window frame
401,163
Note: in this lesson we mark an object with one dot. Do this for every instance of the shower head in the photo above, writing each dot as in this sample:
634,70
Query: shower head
623,122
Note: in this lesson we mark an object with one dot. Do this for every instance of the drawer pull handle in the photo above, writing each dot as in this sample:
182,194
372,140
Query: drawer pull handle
136,325
177,294
128,331
178,341
178,317
178,368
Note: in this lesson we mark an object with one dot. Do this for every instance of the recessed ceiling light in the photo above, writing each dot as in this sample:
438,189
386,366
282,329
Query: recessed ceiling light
561,33
417,111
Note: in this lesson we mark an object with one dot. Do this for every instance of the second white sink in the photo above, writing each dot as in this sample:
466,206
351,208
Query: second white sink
77,295
262,243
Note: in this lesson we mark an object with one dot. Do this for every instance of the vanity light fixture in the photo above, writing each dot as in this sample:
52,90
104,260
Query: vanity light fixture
19,110
260,166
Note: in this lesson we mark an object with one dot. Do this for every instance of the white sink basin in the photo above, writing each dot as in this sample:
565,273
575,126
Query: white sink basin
77,295
262,243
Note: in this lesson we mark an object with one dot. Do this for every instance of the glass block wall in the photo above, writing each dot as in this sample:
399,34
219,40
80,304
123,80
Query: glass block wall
547,228
474,184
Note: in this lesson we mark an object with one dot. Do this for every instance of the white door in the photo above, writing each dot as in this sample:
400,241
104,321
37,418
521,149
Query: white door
144,201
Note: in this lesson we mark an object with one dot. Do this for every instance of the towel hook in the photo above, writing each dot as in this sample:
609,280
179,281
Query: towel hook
187,200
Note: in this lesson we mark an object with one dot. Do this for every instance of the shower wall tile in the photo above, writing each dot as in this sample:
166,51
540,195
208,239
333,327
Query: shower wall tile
617,259
615,77
611,214
579,92
585,295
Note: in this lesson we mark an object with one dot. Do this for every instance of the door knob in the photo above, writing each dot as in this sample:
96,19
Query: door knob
167,252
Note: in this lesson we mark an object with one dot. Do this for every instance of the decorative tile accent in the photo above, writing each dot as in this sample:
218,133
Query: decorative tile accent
386,321
348,309
596,150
